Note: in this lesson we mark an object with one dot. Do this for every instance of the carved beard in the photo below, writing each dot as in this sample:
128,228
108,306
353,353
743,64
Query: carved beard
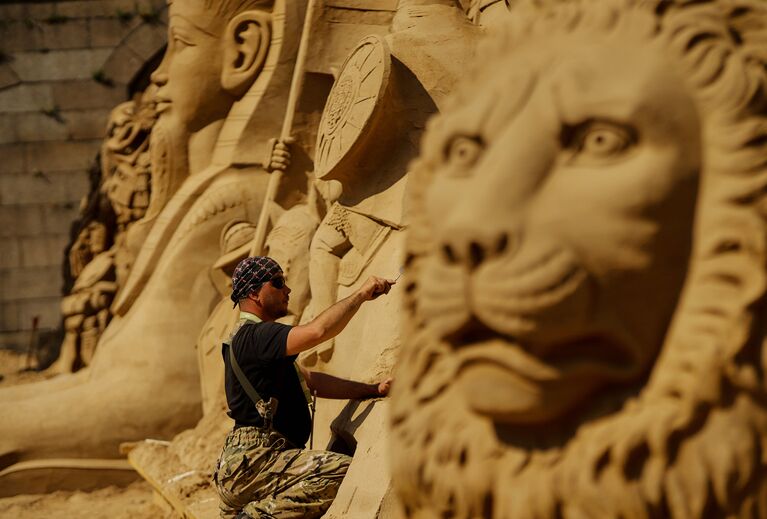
169,156
169,151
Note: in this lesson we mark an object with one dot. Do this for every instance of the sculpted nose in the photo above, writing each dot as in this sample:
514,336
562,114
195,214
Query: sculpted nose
480,218
160,76
471,246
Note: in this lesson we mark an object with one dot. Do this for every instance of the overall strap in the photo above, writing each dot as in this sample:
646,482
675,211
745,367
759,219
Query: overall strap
245,319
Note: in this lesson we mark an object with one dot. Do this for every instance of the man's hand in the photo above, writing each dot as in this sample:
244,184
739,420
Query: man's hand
384,387
375,287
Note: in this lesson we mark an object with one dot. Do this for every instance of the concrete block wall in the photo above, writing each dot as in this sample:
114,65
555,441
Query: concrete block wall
63,66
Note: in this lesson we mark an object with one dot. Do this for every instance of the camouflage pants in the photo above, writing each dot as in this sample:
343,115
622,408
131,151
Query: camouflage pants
257,473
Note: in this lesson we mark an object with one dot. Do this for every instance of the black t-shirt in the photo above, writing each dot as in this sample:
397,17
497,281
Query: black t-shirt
260,351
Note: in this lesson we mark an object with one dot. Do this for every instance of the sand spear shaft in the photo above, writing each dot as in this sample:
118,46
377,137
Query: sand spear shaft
296,88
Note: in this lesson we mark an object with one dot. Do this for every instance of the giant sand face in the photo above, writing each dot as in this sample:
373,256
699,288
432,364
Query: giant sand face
578,325
194,57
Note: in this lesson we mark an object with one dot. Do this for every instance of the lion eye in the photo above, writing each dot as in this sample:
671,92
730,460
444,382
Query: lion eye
598,140
604,142
463,151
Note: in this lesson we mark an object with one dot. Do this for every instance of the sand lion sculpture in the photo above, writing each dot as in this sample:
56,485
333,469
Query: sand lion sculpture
586,283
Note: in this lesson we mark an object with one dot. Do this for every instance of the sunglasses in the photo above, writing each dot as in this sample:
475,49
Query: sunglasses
278,282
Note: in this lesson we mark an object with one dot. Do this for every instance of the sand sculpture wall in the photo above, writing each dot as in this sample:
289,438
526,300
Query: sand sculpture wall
353,99
586,269
581,232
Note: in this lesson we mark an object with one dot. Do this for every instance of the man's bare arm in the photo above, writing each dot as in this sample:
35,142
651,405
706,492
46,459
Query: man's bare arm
328,386
330,322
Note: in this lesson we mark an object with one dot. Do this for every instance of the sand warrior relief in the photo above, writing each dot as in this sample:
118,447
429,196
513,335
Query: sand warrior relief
574,189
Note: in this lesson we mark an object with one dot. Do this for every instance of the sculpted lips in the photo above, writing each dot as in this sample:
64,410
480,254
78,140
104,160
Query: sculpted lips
161,104
585,357
514,358
528,298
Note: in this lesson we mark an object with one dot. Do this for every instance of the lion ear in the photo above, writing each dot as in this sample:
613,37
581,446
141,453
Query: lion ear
246,43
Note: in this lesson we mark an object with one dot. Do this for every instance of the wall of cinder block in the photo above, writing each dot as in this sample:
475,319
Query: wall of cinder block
63,67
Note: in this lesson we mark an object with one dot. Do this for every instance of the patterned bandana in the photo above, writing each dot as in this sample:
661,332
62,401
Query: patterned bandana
251,273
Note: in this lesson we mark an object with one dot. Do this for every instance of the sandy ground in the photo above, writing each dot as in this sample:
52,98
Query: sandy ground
132,502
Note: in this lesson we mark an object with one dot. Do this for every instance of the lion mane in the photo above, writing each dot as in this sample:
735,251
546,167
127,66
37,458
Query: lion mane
691,439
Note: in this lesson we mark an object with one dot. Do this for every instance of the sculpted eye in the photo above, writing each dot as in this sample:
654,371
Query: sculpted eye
598,140
180,41
462,151
604,141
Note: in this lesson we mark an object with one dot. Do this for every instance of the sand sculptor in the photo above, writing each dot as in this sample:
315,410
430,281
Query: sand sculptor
264,469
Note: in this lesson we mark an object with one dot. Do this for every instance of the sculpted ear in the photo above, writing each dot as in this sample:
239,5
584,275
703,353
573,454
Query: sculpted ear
248,36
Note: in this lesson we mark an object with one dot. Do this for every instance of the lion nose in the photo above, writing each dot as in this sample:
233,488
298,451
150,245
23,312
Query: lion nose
471,247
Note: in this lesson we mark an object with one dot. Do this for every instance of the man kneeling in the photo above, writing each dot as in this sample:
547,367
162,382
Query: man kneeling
263,470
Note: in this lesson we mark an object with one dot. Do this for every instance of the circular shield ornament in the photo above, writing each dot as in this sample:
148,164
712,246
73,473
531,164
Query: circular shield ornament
353,106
